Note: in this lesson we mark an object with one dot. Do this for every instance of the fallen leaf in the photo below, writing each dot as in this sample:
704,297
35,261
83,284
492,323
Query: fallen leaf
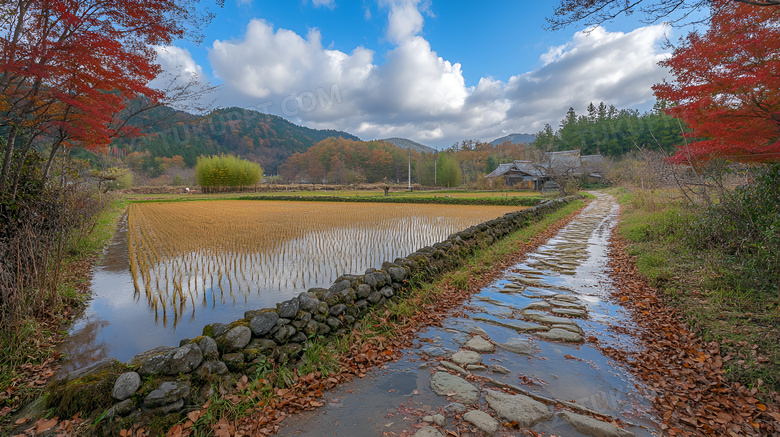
174,432
193,415
42,424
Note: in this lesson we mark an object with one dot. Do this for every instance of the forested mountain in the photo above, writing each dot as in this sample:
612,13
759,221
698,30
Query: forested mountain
406,144
515,139
266,139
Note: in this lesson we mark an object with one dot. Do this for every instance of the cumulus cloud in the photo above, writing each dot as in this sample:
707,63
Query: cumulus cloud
404,20
178,66
614,67
417,94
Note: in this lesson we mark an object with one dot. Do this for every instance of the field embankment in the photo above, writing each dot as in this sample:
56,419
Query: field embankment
446,197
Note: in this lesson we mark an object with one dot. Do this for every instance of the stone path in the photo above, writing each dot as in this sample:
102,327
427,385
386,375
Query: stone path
521,358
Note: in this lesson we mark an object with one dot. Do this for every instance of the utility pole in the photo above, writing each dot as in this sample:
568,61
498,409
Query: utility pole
410,169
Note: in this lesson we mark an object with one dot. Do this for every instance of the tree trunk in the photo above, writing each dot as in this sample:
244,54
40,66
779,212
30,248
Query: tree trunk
20,166
9,153
54,149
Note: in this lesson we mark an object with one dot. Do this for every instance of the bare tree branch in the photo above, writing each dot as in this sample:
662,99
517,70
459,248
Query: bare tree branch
598,12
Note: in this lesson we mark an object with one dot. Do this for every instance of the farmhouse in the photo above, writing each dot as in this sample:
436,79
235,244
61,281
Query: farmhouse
524,174
535,175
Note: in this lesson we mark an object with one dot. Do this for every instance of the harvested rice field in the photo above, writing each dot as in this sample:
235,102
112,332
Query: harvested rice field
175,267
206,254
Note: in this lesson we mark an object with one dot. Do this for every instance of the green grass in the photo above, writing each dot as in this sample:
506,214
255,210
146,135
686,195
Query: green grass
432,196
101,234
29,344
706,285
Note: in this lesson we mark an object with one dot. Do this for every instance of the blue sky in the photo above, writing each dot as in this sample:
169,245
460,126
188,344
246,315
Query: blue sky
433,71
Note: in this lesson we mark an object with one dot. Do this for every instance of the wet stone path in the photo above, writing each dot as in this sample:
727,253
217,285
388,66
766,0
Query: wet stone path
520,356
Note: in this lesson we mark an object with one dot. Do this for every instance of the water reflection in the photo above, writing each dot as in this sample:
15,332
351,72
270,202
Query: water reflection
211,266
181,258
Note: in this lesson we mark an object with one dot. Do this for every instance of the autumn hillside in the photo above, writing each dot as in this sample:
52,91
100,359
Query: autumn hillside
266,139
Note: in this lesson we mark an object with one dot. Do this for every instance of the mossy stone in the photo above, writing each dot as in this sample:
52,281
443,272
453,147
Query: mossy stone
87,394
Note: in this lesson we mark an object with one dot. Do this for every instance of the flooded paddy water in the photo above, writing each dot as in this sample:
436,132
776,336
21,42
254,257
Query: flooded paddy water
174,267
537,320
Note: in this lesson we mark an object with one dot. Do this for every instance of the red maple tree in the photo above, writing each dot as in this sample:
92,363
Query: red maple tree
727,85
68,67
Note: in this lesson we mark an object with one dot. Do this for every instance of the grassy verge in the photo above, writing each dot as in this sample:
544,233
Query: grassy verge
28,356
706,285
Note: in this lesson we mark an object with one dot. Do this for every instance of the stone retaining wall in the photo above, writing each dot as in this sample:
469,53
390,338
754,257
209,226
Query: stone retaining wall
164,380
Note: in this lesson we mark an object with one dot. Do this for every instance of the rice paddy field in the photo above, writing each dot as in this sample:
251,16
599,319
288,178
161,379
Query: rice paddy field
178,266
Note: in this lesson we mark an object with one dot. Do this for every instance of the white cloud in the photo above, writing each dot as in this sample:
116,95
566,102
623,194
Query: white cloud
404,20
614,67
178,65
417,94
330,4
181,76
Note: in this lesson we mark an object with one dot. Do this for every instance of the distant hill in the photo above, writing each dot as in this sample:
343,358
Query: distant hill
266,139
515,139
403,143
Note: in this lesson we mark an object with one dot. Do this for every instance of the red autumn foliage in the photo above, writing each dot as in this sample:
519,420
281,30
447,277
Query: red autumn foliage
69,66
727,87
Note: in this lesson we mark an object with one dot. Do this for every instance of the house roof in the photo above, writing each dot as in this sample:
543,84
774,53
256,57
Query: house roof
502,168
516,167
591,159
528,168
566,159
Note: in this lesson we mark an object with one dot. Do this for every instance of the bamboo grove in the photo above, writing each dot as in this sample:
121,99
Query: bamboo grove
210,254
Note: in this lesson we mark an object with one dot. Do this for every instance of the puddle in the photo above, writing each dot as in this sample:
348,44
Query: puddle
568,272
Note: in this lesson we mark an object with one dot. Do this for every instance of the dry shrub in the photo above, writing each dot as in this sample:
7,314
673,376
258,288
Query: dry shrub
39,228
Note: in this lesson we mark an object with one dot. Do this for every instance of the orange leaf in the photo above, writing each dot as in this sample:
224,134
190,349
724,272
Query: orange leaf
174,432
42,424
193,415
761,407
